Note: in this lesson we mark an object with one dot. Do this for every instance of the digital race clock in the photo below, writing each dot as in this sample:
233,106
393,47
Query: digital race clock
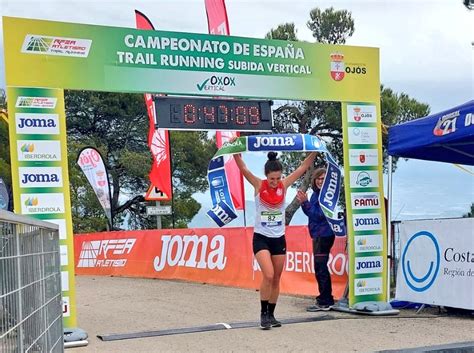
182,113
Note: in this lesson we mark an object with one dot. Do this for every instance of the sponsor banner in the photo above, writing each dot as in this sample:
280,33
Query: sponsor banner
41,188
39,44
364,179
437,262
361,126
41,124
368,286
42,203
361,113
205,255
362,135
368,243
217,21
134,60
365,200
223,211
93,167
40,177
36,102
38,150
363,157
368,264
367,221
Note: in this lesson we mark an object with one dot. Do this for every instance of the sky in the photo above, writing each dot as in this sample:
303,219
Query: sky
425,51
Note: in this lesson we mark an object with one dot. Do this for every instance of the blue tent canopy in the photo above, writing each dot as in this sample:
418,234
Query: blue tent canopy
445,137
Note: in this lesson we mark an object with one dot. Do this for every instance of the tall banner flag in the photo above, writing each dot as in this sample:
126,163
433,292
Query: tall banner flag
223,210
218,23
93,166
4,197
158,139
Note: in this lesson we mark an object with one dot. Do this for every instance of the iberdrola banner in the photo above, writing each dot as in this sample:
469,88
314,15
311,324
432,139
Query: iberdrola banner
223,210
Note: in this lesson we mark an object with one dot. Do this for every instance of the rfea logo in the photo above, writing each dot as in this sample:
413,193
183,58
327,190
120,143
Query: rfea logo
37,44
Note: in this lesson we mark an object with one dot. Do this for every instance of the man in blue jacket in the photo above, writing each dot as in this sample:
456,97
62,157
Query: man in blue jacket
323,240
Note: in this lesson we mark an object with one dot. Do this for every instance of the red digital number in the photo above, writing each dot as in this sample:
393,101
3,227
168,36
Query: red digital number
222,114
189,113
209,114
240,115
254,115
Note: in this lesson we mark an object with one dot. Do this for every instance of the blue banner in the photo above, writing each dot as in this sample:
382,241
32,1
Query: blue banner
223,210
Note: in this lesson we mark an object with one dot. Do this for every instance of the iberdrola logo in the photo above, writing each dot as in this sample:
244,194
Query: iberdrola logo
31,201
27,147
362,241
361,283
39,44
337,66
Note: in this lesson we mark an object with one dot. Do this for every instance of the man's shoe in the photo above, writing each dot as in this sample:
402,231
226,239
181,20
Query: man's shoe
265,322
318,307
274,322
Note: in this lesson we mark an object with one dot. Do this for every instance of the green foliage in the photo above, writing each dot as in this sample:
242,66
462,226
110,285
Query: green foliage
285,31
117,125
331,26
5,167
324,118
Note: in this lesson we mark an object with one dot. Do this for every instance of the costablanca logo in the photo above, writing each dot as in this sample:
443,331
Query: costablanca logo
216,83
427,265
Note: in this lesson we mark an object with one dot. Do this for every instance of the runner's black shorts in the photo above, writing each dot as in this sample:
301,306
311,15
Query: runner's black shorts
276,246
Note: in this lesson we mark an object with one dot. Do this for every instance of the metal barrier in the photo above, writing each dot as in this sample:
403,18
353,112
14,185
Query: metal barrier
30,285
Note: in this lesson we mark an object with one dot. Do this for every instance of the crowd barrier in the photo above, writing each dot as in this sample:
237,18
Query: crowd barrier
206,255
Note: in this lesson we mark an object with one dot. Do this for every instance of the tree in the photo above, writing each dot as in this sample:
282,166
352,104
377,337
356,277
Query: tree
324,118
330,26
469,214
117,125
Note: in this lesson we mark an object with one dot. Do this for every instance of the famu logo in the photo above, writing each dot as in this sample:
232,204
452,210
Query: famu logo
41,151
42,203
36,102
216,83
37,123
36,44
364,200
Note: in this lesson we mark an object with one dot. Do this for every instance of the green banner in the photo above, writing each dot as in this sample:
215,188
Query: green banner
365,208
129,60
37,129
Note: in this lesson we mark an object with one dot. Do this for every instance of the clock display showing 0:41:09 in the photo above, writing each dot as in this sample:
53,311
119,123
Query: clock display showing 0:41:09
175,113
222,114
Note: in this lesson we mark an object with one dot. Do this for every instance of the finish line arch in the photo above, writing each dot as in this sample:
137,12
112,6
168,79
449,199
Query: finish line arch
42,58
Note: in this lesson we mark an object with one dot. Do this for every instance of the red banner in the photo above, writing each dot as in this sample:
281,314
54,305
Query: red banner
209,255
218,23
158,139
217,17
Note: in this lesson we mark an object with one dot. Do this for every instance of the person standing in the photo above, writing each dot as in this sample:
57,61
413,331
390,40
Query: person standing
269,244
323,239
